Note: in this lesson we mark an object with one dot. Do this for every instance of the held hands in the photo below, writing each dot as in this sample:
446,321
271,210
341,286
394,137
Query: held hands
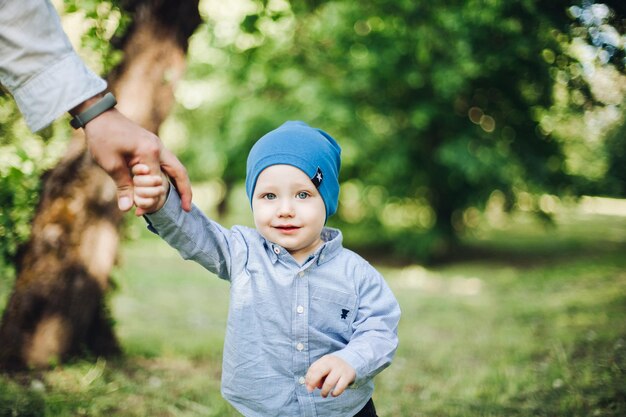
150,190
116,144
331,374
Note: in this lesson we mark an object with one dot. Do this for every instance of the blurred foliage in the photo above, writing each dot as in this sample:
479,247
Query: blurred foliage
24,157
17,401
589,96
602,26
436,105
103,23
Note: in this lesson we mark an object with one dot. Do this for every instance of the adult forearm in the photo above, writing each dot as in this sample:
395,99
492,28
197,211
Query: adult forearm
38,64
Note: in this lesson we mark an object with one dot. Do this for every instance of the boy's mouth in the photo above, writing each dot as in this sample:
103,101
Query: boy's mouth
286,228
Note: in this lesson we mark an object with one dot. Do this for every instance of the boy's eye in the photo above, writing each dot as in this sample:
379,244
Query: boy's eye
302,195
269,196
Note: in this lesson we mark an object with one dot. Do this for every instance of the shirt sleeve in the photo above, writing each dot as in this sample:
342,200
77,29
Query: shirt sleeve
375,338
38,65
197,237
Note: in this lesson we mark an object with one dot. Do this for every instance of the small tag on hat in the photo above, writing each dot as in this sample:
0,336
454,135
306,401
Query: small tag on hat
317,178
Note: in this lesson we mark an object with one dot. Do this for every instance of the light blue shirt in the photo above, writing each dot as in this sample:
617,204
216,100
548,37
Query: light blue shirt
38,64
283,316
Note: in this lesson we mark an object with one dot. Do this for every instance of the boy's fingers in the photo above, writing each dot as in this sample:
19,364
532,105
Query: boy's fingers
153,193
311,384
145,206
147,181
145,202
140,169
329,384
341,386
310,387
315,376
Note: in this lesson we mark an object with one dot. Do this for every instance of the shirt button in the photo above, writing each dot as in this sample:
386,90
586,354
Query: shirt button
276,250
301,380
300,347
301,273
300,309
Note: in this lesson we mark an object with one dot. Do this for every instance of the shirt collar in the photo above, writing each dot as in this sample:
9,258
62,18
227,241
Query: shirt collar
330,248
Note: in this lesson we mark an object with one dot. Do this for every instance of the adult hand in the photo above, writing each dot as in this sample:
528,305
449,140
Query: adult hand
117,144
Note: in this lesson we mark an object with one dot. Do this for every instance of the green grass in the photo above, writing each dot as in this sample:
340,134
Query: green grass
532,324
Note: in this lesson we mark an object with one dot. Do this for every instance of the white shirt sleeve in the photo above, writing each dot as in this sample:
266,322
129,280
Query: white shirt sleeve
38,65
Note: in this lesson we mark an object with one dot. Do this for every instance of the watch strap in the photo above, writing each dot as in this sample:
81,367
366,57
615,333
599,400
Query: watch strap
105,103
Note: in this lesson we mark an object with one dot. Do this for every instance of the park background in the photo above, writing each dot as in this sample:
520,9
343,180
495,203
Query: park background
483,174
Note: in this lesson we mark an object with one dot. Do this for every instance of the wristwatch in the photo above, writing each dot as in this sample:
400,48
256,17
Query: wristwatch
105,103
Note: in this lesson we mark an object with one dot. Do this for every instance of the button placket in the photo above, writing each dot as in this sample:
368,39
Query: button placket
300,326
300,333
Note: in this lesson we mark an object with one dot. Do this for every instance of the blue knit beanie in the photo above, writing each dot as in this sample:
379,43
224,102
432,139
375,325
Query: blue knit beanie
311,150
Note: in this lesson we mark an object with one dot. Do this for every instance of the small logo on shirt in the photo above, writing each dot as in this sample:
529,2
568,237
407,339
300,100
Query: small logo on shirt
344,313
317,178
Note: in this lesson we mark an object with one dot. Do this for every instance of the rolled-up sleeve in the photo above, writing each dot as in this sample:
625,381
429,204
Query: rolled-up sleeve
38,65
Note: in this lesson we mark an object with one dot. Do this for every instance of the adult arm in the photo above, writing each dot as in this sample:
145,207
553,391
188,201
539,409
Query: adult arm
47,78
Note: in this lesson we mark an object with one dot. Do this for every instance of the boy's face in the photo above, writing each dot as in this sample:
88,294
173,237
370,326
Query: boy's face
288,210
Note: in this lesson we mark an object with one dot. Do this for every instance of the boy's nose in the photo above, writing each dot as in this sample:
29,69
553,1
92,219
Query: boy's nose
285,209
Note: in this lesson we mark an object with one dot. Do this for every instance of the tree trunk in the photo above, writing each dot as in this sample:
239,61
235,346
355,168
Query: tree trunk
57,309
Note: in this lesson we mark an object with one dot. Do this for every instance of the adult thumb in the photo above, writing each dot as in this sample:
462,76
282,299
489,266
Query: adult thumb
124,199
124,184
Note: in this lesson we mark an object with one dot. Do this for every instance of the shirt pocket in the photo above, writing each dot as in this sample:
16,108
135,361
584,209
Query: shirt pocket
332,311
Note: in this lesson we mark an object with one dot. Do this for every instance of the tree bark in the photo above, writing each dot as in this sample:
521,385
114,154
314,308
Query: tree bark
57,308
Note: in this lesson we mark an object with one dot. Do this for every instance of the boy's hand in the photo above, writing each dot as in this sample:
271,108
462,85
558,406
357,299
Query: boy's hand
150,190
331,374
